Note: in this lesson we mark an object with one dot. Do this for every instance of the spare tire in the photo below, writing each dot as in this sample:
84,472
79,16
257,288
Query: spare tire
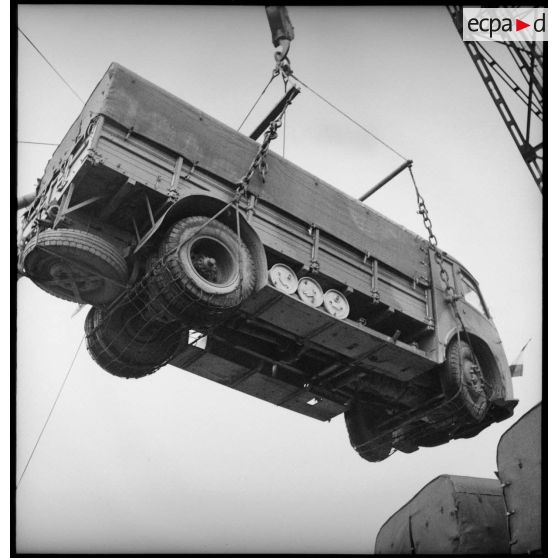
462,379
201,271
364,425
126,344
75,265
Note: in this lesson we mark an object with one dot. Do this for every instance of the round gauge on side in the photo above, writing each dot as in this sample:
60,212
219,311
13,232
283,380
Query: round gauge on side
282,277
310,292
336,304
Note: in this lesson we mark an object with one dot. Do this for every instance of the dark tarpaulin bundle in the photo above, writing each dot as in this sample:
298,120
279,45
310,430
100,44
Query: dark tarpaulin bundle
450,515
519,460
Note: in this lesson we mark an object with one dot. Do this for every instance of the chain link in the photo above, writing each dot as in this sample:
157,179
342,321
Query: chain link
433,242
259,163
449,289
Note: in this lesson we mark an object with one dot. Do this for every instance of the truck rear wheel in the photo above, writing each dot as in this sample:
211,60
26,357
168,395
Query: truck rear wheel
126,344
463,379
367,439
202,271
75,265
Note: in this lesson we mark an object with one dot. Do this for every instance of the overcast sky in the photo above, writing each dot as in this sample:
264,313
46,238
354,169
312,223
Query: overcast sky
174,462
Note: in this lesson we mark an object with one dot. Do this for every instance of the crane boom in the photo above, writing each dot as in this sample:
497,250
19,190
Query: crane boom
529,61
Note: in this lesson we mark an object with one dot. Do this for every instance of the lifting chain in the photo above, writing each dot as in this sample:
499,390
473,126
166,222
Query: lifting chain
450,293
259,163
433,242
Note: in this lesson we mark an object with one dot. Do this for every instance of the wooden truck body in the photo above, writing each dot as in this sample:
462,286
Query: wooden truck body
138,160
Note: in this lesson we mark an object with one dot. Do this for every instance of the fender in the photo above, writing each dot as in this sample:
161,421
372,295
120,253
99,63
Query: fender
208,206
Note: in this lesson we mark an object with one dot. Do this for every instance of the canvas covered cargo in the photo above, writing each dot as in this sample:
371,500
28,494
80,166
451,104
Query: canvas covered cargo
450,515
151,112
519,469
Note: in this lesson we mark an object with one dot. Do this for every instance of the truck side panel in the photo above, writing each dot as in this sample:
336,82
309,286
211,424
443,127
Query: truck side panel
151,112
147,165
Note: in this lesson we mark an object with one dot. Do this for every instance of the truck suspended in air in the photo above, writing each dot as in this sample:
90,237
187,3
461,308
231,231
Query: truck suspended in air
286,289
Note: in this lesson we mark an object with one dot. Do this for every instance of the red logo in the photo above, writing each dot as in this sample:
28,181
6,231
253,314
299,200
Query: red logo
519,25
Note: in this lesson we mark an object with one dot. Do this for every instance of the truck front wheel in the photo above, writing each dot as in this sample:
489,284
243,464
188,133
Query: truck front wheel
463,380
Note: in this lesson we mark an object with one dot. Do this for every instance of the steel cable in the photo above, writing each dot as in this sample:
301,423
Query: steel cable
55,70
363,128
50,413
273,76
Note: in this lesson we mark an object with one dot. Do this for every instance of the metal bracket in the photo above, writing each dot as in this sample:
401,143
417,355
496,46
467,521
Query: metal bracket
430,324
65,205
374,292
251,209
314,232
173,191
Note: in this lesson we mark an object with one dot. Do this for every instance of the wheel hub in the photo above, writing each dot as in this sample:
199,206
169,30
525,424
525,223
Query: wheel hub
213,261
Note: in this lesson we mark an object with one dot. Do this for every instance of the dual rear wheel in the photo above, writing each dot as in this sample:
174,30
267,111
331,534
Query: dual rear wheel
200,272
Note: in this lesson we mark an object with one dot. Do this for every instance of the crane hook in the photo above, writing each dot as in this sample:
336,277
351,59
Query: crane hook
282,32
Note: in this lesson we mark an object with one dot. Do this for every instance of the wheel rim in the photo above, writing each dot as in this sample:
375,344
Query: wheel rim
472,383
212,261
67,278
59,275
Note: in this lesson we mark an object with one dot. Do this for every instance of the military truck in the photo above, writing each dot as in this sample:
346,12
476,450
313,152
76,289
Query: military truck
198,247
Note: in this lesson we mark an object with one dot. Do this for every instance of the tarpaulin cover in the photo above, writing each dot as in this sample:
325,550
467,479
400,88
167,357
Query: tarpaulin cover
145,109
450,515
519,468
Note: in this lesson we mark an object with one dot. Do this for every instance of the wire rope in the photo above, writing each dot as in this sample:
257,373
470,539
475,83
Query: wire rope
50,413
55,70
363,128
38,143
273,76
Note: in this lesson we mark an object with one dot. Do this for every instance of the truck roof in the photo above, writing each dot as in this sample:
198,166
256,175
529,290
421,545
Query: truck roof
150,111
